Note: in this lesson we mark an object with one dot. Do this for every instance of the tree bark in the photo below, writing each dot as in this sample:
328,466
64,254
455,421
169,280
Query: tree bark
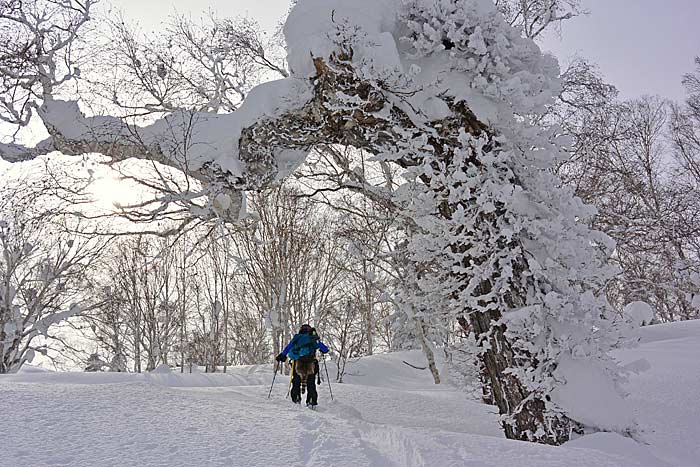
427,350
523,413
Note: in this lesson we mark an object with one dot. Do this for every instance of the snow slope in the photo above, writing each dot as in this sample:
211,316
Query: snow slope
385,414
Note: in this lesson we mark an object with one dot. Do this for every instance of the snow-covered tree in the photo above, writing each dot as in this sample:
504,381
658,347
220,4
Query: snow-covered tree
95,363
43,270
536,16
685,138
453,95
622,163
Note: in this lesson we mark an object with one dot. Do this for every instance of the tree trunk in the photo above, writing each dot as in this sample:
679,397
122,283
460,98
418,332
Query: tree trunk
427,350
226,337
369,306
524,412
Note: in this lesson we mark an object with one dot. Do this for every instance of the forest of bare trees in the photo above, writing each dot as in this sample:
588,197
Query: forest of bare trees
222,296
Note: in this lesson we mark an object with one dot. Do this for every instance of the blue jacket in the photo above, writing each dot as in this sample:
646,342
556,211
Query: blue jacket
304,344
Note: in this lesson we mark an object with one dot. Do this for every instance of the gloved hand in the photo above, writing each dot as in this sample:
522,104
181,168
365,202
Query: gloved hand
281,358
327,350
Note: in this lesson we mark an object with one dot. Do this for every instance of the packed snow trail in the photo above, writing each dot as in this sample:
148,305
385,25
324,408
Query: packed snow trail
387,414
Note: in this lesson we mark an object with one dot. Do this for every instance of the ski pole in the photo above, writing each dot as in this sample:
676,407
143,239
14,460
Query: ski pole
291,378
330,390
327,377
273,380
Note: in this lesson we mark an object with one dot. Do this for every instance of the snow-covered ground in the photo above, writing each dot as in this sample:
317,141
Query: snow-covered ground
386,414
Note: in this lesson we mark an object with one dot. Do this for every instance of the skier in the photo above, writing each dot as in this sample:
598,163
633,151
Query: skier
302,351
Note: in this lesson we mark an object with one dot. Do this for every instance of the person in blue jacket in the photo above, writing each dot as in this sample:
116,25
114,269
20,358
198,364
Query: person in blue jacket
302,350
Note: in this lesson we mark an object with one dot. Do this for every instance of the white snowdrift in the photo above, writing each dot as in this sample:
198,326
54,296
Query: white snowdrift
386,414
639,313
590,396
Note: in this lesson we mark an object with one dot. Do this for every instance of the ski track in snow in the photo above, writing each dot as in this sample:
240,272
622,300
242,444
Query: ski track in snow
385,415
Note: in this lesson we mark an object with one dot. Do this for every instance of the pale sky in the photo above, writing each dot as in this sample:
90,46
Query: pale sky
641,46
151,12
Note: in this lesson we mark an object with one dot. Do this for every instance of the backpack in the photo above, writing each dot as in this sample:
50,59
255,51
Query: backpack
303,347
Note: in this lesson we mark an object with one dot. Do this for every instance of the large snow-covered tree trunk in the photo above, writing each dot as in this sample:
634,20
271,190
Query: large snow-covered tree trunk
526,412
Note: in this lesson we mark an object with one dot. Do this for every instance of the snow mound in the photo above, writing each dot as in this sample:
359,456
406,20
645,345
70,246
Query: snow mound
591,397
312,25
163,368
30,369
639,313
670,331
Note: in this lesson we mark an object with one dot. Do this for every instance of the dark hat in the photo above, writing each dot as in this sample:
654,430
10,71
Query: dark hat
305,329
